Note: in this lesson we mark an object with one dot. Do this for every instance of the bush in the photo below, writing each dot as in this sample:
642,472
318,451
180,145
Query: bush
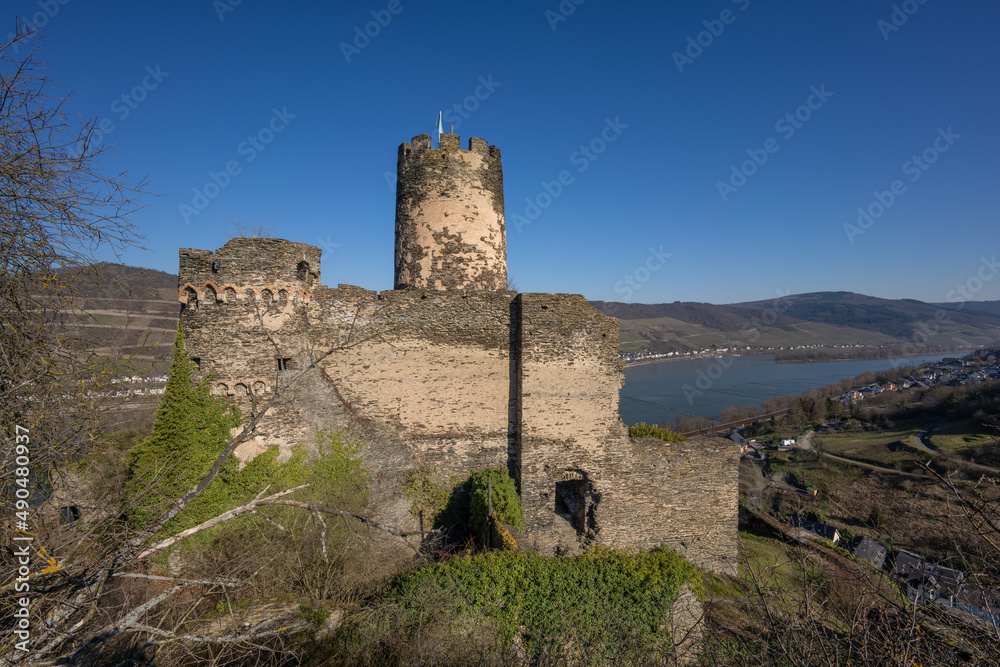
604,607
428,494
644,430
506,501
282,550
876,518
190,431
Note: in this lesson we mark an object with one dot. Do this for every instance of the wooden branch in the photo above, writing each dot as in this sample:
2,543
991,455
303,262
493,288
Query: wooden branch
329,510
225,516
124,624
153,577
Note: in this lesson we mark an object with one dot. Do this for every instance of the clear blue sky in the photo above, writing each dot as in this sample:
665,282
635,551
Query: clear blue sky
888,93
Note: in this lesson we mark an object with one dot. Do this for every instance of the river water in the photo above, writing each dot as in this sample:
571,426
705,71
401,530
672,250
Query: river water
669,389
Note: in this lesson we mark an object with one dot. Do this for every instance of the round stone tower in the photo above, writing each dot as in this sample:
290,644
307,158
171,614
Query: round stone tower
450,231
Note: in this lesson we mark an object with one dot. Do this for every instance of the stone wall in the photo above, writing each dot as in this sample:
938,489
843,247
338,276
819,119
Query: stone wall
458,381
570,433
256,262
439,374
582,478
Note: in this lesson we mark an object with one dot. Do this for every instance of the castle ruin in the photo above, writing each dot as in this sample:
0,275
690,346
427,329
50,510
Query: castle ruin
452,372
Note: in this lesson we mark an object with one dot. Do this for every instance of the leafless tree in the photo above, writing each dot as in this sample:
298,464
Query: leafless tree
92,595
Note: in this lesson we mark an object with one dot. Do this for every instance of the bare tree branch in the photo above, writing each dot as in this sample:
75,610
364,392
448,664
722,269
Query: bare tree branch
215,521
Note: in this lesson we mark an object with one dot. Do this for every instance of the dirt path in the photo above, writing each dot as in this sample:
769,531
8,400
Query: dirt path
919,441
921,444
870,466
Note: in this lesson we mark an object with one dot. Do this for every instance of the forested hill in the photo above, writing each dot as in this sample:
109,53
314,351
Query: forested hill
819,318
988,307
118,281
145,301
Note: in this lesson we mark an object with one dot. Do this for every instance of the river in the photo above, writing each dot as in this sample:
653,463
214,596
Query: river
669,389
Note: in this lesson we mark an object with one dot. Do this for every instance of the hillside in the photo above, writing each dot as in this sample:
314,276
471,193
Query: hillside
144,301
128,311
987,307
820,318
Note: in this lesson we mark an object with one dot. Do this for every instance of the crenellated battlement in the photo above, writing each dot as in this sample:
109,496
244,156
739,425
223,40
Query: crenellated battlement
421,144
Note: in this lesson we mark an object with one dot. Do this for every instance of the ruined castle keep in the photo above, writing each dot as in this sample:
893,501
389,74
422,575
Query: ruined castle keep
452,372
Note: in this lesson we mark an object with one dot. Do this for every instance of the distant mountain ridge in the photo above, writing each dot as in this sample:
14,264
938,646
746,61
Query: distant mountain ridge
145,301
987,307
119,281
817,318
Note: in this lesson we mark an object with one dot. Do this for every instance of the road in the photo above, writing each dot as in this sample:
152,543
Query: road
805,442
920,443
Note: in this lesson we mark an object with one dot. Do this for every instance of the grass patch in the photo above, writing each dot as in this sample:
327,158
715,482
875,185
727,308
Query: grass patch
716,587
890,448
960,436
603,607
766,562
823,474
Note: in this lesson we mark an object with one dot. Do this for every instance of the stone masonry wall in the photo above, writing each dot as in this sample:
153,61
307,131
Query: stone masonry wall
582,477
439,375
457,380
571,437
683,495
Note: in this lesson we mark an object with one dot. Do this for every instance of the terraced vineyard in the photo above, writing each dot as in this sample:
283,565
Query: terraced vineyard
128,313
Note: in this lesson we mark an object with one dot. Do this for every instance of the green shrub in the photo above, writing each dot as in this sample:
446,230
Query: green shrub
428,494
506,501
190,431
644,430
284,550
604,607
876,518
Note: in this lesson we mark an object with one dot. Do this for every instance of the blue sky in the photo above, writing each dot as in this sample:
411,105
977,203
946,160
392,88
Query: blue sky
706,191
